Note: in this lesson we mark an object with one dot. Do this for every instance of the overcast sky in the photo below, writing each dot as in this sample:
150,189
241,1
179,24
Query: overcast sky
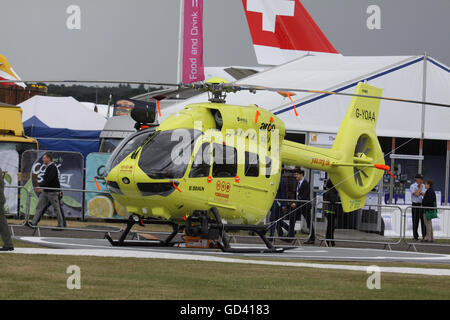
138,39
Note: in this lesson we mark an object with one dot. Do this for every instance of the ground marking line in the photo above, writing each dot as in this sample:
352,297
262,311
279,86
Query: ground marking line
160,255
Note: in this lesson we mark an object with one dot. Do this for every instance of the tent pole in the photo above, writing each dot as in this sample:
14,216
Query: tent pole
391,180
420,154
424,97
447,173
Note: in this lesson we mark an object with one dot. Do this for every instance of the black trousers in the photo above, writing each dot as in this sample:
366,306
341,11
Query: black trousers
275,214
417,216
306,213
331,226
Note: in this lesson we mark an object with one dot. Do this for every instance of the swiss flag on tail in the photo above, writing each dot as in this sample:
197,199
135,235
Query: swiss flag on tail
282,30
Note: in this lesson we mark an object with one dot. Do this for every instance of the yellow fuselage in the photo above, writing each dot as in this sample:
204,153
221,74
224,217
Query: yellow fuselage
240,198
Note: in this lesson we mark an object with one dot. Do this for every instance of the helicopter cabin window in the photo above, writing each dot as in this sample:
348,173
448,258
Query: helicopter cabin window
251,164
167,154
127,146
225,161
202,162
268,167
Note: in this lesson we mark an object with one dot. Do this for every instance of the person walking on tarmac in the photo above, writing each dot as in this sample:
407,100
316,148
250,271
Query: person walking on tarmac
330,196
4,230
302,193
51,180
279,209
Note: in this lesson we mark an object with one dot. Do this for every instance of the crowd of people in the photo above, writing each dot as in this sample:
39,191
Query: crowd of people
293,210
423,200
423,212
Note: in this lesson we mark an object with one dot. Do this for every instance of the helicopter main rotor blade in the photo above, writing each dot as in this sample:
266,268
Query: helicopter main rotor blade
164,94
254,87
151,83
233,88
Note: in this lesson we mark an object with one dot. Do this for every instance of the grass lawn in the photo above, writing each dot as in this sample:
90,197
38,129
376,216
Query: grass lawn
44,277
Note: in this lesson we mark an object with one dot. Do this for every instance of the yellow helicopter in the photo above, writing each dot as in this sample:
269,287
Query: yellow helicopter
213,167
213,162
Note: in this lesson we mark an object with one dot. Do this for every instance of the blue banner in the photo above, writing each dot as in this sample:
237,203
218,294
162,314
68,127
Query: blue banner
100,205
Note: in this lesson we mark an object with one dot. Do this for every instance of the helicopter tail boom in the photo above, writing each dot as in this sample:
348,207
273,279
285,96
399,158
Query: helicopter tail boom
354,161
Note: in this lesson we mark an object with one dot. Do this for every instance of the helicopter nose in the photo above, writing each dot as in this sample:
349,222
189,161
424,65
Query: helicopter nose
113,187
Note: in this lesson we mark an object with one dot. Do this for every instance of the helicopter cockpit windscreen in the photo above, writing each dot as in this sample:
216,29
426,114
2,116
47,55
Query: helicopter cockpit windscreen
127,146
167,155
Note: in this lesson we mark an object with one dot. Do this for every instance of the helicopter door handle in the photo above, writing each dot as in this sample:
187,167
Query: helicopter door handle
250,187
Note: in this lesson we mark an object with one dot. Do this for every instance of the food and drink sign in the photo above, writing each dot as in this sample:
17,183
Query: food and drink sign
193,68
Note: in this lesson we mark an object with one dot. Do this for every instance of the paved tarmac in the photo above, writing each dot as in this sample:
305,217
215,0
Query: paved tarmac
299,253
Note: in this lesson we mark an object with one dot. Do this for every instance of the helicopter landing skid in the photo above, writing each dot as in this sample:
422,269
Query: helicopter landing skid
137,220
217,231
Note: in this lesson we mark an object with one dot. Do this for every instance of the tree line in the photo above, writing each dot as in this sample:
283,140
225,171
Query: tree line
97,94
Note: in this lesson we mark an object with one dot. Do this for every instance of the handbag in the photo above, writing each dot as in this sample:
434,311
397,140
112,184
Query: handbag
431,213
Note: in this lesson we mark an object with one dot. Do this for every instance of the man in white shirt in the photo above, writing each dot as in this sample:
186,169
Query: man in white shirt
417,192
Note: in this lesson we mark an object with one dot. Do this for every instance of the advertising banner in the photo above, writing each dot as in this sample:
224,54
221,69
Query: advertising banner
100,205
70,168
123,107
9,162
193,68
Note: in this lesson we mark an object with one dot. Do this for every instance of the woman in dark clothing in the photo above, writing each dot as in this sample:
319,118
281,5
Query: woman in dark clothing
330,196
429,200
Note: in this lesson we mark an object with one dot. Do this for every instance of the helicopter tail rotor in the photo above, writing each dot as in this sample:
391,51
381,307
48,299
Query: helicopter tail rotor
361,163
355,164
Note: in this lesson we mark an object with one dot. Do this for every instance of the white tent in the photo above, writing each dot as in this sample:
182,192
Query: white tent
62,123
102,109
62,112
408,77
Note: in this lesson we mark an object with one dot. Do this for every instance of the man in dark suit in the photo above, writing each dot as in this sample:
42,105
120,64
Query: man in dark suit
46,197
303,208
279,209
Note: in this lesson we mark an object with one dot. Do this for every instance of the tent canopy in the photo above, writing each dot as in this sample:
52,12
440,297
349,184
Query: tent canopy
62,123
408,77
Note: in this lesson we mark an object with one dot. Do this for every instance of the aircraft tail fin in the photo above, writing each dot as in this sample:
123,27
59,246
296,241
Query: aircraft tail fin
361,161
355,163
8,73
283,31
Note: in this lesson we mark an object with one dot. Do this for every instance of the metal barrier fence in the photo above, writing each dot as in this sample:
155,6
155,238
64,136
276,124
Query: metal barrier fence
387,225
440,227
39,228
281,220
374,224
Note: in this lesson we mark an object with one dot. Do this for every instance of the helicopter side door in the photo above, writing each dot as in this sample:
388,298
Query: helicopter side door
198,182
224,175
